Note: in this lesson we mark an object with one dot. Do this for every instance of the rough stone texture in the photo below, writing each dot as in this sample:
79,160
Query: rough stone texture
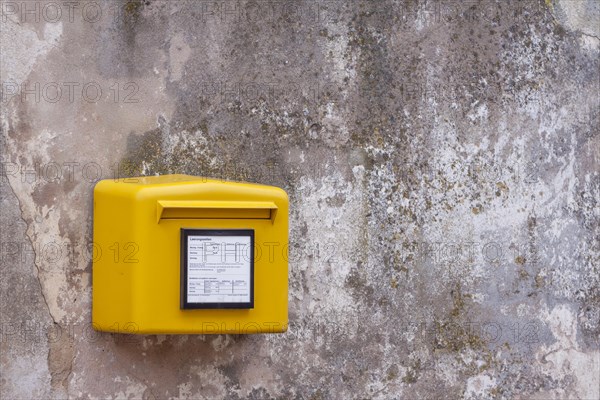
442,162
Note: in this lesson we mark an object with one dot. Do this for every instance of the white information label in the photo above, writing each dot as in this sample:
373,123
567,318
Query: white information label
219,269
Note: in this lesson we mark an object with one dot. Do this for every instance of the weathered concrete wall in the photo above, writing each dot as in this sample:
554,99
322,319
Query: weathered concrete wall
442,161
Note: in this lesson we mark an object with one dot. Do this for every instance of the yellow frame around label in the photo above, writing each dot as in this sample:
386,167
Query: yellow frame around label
136,261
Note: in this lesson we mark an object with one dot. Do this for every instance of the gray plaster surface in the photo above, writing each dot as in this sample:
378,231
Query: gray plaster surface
442,163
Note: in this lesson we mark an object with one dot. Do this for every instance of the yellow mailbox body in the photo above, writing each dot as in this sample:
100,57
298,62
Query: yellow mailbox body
137,261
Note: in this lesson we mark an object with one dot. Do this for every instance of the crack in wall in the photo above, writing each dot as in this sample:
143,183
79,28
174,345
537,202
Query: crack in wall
30,240
590,35
60,367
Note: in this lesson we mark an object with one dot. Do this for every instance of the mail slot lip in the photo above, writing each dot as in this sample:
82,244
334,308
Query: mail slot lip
213,191
215,209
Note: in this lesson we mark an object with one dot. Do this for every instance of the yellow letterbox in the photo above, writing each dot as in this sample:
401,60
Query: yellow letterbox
185,254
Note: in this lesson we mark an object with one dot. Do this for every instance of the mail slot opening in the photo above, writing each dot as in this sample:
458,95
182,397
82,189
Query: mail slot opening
202,209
